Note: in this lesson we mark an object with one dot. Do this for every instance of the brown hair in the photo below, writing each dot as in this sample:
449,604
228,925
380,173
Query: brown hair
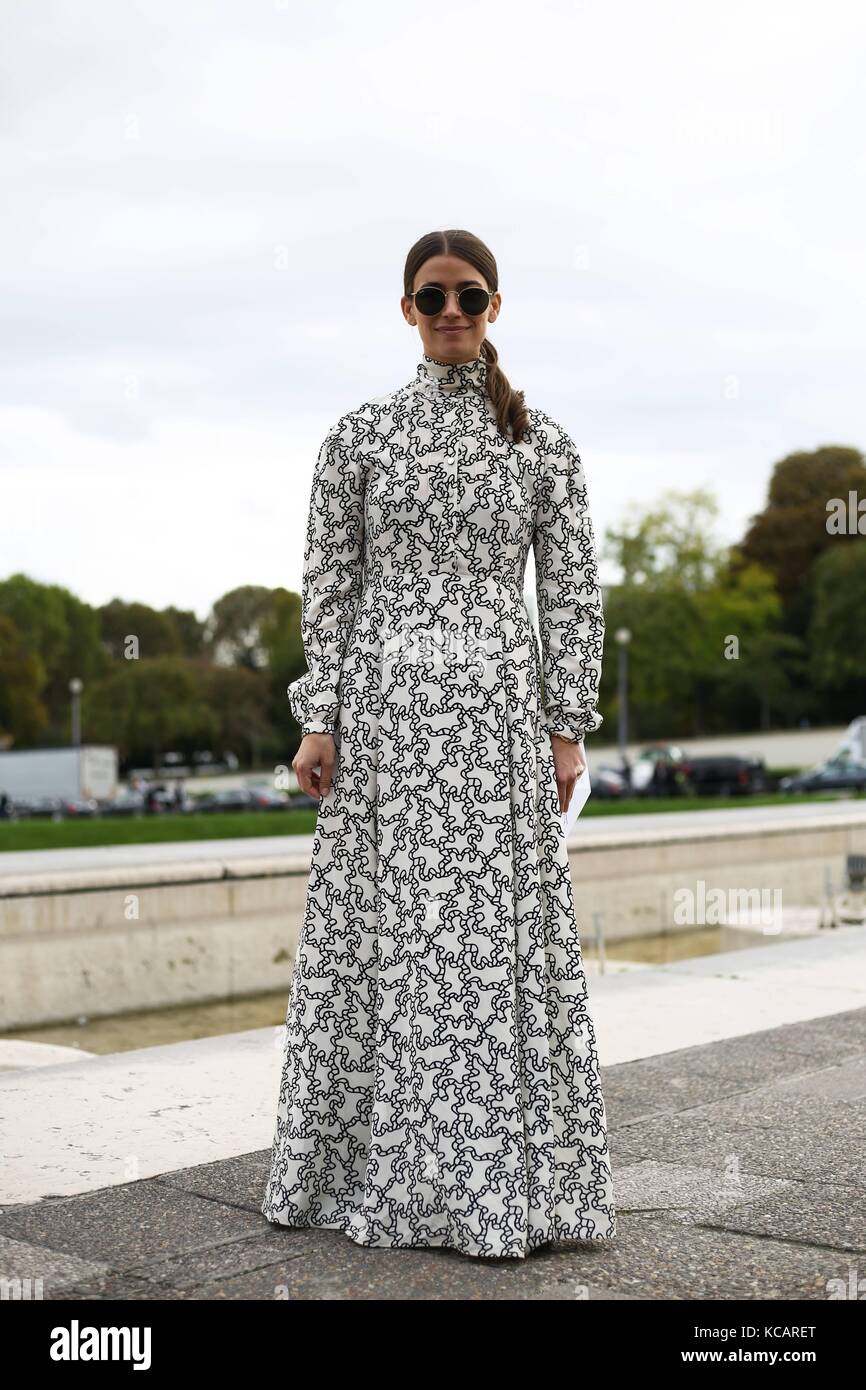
509,404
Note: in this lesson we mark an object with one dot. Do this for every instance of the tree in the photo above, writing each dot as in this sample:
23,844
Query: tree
790,534
767,675
239,700
684,597
189,628
156,633
281,641
672,540
23,715
149,706
836,629
234,628
39,614
63,633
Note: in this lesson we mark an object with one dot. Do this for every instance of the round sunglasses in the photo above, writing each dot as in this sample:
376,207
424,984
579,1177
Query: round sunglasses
430,299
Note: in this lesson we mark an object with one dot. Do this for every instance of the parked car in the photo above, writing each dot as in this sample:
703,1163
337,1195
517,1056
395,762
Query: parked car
724,774
839,775
267,799
158,800
75,807
231,799
126,803
259,798
658,771
37,808
607,783
172,798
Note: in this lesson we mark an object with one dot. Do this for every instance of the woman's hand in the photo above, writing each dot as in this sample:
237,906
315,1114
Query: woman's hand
569,760
316,751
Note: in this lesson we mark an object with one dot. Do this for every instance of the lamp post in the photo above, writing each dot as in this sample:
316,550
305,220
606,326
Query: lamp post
622,637
75,688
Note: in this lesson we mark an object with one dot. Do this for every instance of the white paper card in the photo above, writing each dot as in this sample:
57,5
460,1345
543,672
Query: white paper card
579,799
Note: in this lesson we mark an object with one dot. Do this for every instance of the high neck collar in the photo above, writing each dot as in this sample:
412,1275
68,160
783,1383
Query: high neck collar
452,376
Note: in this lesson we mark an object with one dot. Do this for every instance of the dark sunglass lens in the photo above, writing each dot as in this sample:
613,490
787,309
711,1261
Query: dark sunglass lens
474,300
429,300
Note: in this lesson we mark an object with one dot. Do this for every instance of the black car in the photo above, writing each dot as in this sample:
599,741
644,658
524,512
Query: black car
724,774
230,799
834,776
37,808
126,803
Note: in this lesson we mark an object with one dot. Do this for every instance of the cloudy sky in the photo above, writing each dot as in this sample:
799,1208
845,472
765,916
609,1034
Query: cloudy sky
207,207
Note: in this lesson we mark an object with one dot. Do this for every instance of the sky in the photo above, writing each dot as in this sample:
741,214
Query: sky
207,208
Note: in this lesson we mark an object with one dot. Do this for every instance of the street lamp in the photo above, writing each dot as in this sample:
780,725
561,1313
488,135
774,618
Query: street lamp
622,636
75,688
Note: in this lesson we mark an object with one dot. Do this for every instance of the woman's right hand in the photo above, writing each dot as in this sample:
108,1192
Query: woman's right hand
316,751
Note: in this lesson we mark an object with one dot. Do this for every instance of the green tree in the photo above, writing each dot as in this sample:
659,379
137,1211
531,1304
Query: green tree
23,714
281,642
63,632
150,706
240,701
763,674
836,630
672,540
684,598
234,627
189,628
790,534
156,633
39,614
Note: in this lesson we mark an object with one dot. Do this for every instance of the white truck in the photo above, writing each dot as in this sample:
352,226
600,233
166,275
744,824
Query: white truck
76,774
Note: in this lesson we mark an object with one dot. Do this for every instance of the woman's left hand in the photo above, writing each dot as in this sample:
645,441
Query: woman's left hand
570,762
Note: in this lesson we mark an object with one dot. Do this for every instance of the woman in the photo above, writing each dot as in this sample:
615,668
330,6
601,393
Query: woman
440,1085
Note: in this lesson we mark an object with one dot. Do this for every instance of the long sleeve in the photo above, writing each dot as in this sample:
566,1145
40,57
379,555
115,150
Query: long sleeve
332,579
568,594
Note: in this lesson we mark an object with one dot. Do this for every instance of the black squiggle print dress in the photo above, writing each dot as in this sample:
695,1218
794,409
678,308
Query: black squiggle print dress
440,1084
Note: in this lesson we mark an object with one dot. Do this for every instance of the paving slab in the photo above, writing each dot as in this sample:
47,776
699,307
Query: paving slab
807,1216
758,1192
651,1187
126,1226
804,1147
19,1259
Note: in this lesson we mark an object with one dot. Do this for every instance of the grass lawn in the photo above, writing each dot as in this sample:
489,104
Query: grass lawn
150,830
229,825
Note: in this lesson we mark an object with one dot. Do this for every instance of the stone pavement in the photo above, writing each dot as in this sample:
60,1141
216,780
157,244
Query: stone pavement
738,1171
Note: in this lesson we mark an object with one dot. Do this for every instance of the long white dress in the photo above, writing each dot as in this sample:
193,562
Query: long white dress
440,1084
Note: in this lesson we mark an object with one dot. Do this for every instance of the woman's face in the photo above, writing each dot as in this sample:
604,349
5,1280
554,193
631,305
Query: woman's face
450,336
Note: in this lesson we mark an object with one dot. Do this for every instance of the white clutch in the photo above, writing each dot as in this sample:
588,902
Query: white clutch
578,800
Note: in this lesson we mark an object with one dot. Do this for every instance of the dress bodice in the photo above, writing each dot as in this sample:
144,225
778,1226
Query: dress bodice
420,502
